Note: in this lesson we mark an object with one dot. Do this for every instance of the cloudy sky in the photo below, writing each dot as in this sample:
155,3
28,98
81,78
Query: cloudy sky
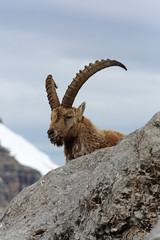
60,37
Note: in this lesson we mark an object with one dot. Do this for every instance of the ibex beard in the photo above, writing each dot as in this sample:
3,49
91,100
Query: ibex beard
68,126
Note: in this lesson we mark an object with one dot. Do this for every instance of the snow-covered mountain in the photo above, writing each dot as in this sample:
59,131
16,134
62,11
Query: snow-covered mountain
25,152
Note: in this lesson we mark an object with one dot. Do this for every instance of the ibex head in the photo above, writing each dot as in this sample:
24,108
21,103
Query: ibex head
64,117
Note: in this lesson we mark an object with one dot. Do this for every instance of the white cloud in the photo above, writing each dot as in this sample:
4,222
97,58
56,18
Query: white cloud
142,12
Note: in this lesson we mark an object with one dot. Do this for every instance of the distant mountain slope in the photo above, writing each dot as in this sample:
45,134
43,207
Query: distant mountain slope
13,177
24,152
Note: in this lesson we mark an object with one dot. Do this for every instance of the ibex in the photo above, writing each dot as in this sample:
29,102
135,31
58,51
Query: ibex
68,126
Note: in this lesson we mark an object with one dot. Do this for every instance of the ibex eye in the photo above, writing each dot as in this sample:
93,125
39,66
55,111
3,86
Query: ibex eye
68,117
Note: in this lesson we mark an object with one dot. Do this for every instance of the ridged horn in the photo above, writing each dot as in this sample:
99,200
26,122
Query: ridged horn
83,76
51,92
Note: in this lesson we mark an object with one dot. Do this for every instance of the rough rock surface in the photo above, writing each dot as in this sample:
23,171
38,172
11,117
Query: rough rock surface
155,233
113,193
13,177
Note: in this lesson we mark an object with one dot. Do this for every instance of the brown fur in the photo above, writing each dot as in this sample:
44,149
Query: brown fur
78,134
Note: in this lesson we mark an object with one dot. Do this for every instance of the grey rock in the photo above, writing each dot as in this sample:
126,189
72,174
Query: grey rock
113,193
155,233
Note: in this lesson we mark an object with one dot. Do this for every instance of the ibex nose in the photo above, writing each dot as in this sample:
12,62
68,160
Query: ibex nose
50,131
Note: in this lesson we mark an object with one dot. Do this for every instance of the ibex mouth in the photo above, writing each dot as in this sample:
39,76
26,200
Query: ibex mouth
53,140
56,141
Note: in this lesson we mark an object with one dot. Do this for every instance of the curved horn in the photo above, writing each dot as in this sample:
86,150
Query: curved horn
51,92
83,76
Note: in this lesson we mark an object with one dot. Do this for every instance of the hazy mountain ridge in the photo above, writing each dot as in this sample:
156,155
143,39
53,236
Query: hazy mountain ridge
13,177
21,164
25,152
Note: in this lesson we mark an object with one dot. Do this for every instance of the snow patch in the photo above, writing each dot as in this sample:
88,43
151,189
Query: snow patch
25,152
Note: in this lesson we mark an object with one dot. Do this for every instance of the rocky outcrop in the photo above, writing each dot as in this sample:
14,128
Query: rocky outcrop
113,193
13,177
155,233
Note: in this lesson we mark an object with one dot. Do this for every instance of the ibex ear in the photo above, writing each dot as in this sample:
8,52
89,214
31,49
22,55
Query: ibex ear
81,109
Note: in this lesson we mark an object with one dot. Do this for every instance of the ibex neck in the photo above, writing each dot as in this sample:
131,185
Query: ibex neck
86,140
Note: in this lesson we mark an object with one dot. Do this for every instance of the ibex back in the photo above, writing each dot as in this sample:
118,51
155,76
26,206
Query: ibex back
68,125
